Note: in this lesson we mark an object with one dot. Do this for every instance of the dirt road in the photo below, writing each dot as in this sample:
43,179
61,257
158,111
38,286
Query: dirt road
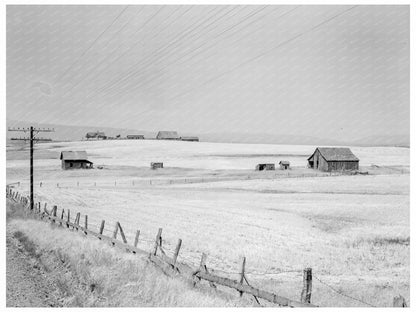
29,284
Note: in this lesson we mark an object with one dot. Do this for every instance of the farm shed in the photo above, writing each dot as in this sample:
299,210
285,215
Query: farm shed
156,165
135,136
190,139
167,135
261,167
333,159
75,160
96,135
284,164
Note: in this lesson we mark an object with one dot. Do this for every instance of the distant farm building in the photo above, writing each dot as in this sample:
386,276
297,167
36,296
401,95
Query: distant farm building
96,135
261,167
75,160
190,139
333,159
156,165
167,135
135,137
284,164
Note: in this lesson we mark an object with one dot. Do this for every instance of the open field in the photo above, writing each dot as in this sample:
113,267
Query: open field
352,230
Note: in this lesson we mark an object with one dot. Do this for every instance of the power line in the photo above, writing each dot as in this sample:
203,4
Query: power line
211,46
264,53
92,44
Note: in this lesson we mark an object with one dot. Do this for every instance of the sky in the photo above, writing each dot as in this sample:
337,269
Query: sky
322,71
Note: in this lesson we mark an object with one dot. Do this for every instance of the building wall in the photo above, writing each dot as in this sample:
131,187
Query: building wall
342,165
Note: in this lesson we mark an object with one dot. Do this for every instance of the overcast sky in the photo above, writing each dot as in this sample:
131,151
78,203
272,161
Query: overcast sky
323,71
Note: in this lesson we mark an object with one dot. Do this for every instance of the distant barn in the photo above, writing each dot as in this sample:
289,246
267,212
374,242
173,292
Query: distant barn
333,159
156,165
96,135
75,160
284,164
190,139
261,167
135,137
167,135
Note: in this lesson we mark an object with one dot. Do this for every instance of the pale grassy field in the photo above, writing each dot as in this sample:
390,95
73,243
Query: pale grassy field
352,230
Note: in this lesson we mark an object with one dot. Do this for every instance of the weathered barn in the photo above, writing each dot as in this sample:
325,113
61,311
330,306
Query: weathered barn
96,135
261,167
167,135
333,159
135,136
284,164
156,165
190,139
75,160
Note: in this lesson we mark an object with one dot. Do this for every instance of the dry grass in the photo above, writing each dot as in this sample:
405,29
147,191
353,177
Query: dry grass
110,277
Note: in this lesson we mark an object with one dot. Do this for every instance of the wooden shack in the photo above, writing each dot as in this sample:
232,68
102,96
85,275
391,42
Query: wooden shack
190,139
284,164
333,159
156,165
261,167
75,160
135,136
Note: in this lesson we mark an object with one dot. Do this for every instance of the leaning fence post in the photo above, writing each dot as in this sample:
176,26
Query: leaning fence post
77,220
307,286
136,239
102,227
62,216
123,237
243,268
157,242
175,255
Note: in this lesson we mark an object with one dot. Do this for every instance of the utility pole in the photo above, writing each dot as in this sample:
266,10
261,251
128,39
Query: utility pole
31,140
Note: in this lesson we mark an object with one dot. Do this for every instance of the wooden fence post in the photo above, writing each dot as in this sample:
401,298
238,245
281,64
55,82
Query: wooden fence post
54,210
86,223
68,219
102,227
243,268
399,302
115,231
136,239
123,237
175,255
77,219
307,286
157,242
62,216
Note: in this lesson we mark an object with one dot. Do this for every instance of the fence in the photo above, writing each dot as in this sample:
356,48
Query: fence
170,264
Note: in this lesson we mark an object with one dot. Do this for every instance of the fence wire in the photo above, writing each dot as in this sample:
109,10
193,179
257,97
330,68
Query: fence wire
342,294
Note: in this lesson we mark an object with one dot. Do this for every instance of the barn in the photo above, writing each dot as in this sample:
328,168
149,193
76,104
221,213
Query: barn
333,159
135,136
167,135
284,164
75,160
261,167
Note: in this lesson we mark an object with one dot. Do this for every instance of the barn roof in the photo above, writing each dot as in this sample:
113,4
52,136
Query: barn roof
336,154
284,162
74,155
168,135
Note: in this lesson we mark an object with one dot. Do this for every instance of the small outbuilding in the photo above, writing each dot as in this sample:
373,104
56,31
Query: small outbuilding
284,164
167,135
333,159
190,139
156,165
75,160
261,167
135,136
96,135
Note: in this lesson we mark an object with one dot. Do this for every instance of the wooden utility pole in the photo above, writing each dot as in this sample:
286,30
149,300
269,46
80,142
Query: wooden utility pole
31,140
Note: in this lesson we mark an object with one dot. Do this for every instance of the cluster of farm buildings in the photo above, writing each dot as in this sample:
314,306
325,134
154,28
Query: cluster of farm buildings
324,158
162,135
